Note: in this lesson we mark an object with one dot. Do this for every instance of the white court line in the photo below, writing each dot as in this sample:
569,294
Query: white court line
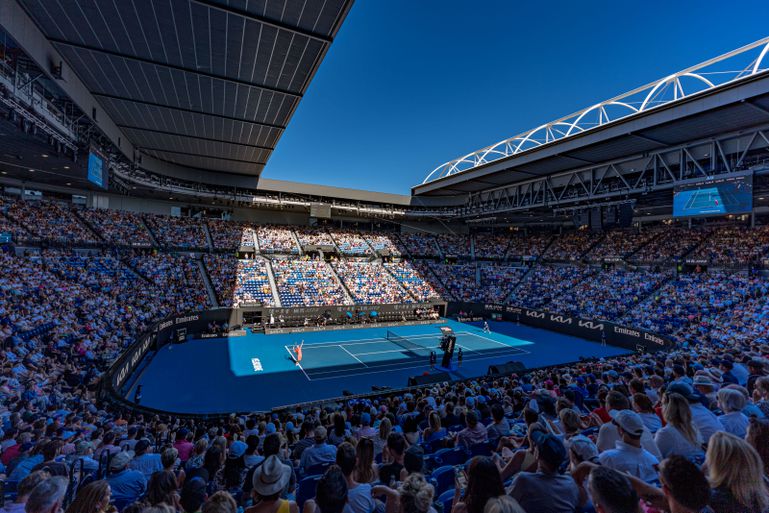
348,352
481,357
297,364
398,364
489,339
363,341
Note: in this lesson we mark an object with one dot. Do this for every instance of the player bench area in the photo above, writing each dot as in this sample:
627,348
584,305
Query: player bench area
332,360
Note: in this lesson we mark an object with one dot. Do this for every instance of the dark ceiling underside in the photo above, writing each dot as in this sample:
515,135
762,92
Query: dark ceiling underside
208,84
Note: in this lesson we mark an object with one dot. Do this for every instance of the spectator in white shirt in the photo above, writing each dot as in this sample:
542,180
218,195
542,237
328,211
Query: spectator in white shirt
608,435
628,455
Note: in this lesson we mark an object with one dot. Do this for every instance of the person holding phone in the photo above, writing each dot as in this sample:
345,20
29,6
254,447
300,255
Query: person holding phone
479,483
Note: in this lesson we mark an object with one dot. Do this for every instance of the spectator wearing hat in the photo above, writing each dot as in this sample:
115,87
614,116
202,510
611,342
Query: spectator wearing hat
235,467
268,483
84,453
628,455
413,461
320,452
703,419
608,435
546,489
366,430
704,385
581,449
144,460
359,498
127,484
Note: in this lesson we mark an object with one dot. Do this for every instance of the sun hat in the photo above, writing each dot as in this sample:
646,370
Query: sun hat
271,477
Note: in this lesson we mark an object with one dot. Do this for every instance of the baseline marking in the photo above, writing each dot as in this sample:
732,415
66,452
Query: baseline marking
297,364
396,366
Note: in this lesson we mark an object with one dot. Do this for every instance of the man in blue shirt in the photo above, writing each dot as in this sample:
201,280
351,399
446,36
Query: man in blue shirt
127,485
320,452
145,462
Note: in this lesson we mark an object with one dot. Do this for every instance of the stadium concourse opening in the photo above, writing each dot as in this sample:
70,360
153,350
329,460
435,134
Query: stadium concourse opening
257,372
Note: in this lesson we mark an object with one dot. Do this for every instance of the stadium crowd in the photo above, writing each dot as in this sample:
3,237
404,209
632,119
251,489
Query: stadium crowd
685,430
371,283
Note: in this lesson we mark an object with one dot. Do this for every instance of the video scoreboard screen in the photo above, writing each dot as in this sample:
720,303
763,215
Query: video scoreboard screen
97,169
718,196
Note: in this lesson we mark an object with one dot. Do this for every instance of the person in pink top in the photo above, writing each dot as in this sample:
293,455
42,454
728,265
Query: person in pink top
184,444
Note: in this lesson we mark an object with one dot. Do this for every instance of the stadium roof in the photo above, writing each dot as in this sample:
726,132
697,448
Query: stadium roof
724,94
204,84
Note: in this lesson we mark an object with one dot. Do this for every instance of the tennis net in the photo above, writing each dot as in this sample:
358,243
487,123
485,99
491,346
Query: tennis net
403,342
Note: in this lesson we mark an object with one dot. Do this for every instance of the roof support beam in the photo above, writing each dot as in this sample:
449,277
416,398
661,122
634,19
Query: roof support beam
648,139
264,21
61,42
191,111
163,150
186,136
757,107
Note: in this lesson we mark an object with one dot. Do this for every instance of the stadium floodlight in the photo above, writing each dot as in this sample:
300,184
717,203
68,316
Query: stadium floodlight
736,65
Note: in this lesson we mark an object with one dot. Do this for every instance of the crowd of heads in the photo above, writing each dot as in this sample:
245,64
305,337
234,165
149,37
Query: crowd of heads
677,430
371,283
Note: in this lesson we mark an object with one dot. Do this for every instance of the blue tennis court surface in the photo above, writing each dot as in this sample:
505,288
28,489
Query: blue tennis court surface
257,371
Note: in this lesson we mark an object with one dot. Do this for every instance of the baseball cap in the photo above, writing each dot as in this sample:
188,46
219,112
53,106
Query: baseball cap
583,447
413,459
684,389
550,448
629,421
237,449
142,445
703,380
121,460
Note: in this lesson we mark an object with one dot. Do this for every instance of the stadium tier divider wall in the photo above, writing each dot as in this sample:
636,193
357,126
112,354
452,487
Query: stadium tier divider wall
596,330
117,381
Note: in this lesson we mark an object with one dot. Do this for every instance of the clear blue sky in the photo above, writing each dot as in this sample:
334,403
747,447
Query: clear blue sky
410,84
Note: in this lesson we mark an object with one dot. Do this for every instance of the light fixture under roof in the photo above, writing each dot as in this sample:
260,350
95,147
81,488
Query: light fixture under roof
44,155
66,167
31,170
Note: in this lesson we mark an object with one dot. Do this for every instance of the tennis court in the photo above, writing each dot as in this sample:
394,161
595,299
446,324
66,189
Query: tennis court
711,198
257,371
392,351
